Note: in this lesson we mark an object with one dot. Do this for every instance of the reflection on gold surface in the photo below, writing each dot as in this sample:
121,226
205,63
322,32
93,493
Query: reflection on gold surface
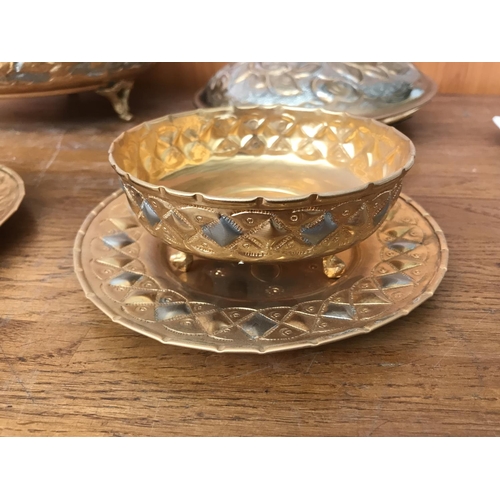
272,152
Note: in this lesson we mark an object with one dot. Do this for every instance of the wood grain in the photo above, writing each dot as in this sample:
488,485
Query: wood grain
65,369
451,77
464,78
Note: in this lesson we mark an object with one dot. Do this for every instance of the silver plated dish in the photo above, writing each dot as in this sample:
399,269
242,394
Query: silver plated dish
385,91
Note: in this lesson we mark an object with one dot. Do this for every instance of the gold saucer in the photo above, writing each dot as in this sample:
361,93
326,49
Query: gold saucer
225,306
11,192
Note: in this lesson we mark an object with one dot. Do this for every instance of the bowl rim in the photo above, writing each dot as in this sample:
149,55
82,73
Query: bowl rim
321,197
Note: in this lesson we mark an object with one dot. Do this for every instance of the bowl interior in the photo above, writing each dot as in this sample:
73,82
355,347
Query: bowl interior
273,152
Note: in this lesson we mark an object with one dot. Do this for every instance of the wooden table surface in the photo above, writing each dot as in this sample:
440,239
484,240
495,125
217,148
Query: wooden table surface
66,369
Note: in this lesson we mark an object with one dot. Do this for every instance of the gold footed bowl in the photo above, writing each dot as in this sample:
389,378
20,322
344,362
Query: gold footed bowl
261,184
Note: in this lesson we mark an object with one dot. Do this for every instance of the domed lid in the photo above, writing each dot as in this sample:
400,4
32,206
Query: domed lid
384,91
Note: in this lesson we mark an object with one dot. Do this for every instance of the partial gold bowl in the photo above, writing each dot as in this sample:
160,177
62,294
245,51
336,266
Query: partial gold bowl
113,80
44,78
261,184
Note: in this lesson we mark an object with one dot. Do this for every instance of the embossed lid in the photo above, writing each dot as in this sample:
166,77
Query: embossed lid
384,91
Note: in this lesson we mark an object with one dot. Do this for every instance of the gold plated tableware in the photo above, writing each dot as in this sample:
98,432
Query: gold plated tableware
261,184
388,91
113,80
222,306
11,192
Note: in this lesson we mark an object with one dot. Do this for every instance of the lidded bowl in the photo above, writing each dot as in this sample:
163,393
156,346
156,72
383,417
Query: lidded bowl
261,184
386,91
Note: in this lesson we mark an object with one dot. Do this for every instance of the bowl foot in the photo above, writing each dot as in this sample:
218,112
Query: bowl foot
118,95
254,282
180,261
333,267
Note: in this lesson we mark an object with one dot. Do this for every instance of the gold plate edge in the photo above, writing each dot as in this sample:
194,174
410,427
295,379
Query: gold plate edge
20,188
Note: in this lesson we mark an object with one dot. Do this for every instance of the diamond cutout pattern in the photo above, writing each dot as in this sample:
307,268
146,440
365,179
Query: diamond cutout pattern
402,246
125,279
289,233
380,215
339,311
149,213
315,234
118,240
257,325
395,280
224,232
171,310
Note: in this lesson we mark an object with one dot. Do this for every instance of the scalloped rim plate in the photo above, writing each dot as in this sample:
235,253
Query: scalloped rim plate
406,215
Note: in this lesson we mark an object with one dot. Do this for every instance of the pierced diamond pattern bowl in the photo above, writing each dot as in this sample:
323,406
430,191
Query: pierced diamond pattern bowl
261,184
